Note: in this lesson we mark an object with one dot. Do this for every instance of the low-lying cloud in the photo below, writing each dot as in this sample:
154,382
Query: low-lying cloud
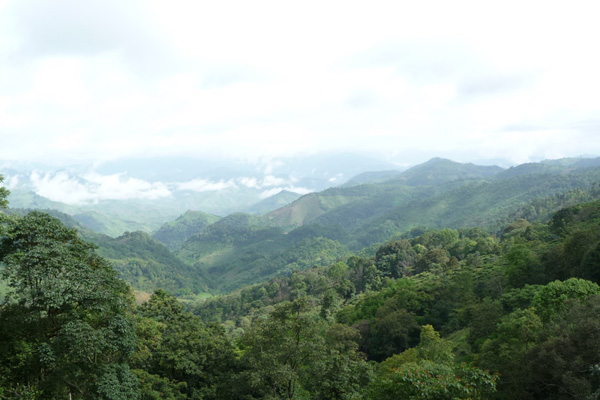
204,185
94,187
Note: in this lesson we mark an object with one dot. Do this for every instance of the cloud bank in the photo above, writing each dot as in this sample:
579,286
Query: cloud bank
92,188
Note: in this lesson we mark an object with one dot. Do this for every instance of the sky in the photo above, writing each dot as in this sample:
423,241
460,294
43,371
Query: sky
403,80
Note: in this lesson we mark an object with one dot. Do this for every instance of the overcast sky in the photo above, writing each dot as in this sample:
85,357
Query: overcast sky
514,80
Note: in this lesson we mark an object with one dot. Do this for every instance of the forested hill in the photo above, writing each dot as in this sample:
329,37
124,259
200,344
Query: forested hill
320,227
439,193
173,234
429,314
206,253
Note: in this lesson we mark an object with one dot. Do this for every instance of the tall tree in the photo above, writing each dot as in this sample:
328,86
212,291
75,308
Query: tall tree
279,349
178,356
428,372
66,329
293,353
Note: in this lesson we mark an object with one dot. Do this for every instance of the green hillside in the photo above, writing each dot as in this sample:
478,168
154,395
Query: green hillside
242,249
174,233
142,261
350,205
27,199
439,193
487,204
148,265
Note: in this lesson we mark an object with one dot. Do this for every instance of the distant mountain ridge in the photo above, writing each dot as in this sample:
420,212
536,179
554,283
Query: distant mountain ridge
372,177
431,193
560,166
440,170
400,186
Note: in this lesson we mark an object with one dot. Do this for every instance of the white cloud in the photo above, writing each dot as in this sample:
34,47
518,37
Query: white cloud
271,180
267,181
10,181
205,185
94,187
336,178
250,182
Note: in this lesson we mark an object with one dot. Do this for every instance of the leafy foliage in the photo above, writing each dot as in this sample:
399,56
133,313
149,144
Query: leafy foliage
66,330
3,194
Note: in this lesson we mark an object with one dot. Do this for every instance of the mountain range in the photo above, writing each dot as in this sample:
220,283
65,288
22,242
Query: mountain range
198,251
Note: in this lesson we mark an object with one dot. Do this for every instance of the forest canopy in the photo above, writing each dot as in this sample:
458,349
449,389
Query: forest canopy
429,314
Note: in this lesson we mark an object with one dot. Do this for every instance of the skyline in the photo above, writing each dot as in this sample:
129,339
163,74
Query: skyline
99,81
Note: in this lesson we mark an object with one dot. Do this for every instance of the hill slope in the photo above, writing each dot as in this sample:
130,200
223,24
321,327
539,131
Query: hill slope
174,234
148,265
242,249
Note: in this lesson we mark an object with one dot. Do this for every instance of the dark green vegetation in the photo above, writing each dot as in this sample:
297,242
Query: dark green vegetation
508,310
65,329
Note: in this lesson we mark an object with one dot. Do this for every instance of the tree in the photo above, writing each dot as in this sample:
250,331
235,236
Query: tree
293,353
524,266
564,365
590,265
391,333
428,372
66,329
506,351
552,298
395,259
484,317
3,194
341,372
280,348
178,356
